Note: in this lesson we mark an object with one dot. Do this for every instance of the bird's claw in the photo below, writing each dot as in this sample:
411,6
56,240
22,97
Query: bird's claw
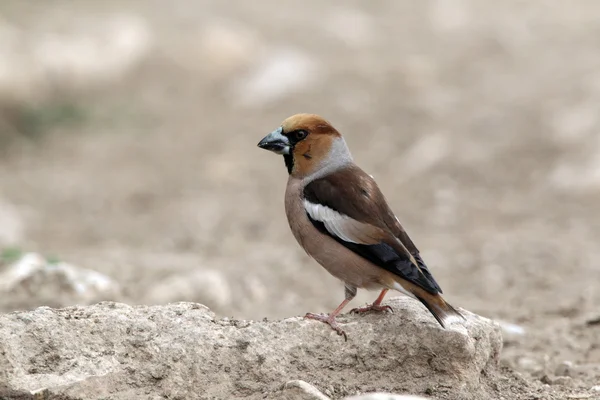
331,321
372,307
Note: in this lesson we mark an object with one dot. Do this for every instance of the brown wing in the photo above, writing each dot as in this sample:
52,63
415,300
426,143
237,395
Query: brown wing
348,206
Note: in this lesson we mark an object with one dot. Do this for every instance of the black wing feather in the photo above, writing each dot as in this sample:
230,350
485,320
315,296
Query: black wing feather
387,258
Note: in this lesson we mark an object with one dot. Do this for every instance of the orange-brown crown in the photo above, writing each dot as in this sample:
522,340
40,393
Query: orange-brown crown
311,123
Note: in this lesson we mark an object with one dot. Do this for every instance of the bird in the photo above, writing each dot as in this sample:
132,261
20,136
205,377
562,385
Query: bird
340,217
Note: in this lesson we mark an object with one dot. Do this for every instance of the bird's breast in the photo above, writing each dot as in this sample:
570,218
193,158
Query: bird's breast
294,210
335,258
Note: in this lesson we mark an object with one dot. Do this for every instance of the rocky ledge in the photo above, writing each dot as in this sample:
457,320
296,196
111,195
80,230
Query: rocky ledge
181,351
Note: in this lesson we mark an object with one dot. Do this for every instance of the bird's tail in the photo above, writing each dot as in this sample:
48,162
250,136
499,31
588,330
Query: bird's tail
443,312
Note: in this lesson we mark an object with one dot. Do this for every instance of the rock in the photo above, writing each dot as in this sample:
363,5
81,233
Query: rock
207,286
572,370
578,173
562,381
12,229
558,380
300,390
81,52
281,73
181,350
32,281
565,368
225,47
385,396
217,49
511,332
8,394
581,396
593,321
529,365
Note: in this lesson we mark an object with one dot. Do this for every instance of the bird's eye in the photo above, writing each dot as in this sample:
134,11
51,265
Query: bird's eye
299,135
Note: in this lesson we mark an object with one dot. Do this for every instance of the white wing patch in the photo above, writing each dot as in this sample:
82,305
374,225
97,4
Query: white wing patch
342,226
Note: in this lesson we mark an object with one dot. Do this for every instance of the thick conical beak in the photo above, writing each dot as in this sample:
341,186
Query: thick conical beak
276,142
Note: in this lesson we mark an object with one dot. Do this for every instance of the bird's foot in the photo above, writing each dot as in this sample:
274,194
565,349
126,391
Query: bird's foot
372,307
329,320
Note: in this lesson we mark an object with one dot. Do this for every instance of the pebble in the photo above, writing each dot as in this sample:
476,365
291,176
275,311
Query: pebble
301,390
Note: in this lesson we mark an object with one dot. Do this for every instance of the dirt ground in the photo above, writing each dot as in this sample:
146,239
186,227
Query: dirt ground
480,121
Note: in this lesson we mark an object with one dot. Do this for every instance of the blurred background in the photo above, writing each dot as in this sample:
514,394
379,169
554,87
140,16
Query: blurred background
129,169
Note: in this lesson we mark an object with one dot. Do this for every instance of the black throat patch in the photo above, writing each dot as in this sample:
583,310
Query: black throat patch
289,161
294,138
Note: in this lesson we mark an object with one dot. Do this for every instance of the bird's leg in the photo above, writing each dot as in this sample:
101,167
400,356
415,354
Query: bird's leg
376,306
350,292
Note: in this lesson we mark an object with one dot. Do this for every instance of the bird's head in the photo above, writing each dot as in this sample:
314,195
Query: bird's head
309,144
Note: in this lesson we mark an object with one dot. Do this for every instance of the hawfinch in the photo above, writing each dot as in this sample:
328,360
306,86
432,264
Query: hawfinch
340,217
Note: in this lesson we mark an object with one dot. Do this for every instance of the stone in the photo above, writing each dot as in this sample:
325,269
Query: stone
83,53
562,381
565,368
529,365
32,281
385,396
300,390
181,350
208,286
281,73
12,228
8,394
511,332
